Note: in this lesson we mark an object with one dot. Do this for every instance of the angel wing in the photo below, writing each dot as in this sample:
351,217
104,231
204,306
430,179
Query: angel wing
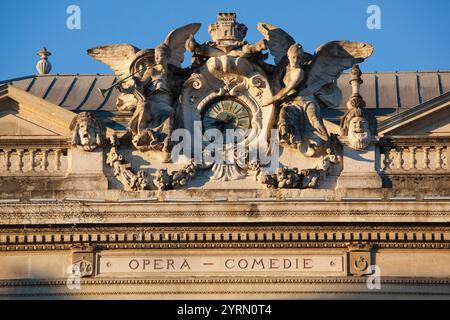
330,60
176,41
117,56
278,40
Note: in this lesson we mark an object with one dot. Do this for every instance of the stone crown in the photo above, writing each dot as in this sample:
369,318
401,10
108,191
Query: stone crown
226,29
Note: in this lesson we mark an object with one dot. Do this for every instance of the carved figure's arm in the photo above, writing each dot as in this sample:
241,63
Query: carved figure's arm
296,77
249,49
201,49
205,50
129,89
125,90
261,45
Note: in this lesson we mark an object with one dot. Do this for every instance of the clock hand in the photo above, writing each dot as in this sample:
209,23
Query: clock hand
229,118
216,124
214,120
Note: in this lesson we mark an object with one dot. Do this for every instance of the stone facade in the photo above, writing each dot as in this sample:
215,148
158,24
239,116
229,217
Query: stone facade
346,198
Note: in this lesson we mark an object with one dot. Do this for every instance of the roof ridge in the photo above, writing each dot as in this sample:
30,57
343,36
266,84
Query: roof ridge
16,79
113,75
58,75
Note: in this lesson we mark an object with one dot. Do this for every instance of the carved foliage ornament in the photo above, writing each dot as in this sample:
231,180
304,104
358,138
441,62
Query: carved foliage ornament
165,181
122,170
286,178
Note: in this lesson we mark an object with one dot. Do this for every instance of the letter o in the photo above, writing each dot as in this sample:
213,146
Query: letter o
239,264
136,263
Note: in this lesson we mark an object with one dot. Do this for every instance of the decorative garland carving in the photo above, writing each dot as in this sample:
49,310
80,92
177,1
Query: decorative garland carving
165,181
285,178
122,171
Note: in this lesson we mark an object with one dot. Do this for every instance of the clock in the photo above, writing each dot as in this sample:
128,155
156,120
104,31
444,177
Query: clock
228,113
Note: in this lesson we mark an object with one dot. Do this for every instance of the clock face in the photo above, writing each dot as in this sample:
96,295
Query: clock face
226,114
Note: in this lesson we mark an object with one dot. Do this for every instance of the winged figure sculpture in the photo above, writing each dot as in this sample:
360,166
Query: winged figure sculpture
304,82
148,79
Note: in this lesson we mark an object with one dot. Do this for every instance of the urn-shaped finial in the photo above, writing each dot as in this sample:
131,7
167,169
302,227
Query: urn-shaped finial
43,66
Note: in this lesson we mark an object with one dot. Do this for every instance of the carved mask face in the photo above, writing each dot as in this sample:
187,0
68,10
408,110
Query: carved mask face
359,133
86,132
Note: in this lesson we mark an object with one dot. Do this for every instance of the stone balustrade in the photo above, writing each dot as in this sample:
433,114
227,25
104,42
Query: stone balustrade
423,158
33,161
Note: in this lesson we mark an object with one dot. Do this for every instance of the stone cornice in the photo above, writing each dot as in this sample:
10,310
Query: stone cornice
234,280
33,142
417,141
339,235
308,245
210,287
225,212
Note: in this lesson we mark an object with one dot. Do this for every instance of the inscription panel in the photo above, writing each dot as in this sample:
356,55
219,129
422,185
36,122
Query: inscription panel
254,263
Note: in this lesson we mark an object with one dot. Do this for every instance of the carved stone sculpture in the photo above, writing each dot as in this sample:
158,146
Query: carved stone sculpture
358,130
150,92
358,125
122,171
303,82
228,53
88,133
286,178
165,181
229,86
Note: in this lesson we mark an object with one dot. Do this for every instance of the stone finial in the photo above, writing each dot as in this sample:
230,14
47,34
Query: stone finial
358,124
43,66
355,80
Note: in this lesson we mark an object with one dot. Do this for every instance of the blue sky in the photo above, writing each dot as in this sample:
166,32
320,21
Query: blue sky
414,34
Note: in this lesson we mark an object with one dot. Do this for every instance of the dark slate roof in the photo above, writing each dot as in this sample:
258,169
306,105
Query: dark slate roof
398,90
386,93
73,92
